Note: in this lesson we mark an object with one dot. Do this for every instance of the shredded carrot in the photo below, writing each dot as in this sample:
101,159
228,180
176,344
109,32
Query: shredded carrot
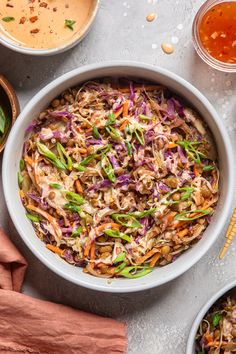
126,109
28,160
87,248
118,113
182,233
195,170
149,254
154,259
124,124
208,337
92,251
171,146
41,212
55,249
82,150
109,225
171,216
79,187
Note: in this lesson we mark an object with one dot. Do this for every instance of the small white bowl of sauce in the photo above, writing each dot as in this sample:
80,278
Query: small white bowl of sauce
214,34
45,27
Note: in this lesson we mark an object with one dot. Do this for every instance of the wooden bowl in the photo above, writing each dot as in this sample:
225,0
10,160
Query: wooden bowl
10,104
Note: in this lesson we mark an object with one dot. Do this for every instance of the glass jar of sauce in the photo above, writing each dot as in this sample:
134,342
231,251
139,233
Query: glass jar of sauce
214,34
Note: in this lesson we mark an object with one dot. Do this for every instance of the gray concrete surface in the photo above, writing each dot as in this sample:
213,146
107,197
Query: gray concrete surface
158,320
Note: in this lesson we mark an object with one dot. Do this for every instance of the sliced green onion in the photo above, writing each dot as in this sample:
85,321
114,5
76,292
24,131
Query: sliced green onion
129,147
142,214
208,168
126,220
133,272
104,149
20,179
96,133
3,121
32,217
139,135
111,119
187,193
120,257
216,319
143,117
74,198
62,153
107,168
87,160
77,232
22,164
50,156
70,24
55,185
8,19
115,233
72,207
120,267
200,212
79,168
189,147
114,134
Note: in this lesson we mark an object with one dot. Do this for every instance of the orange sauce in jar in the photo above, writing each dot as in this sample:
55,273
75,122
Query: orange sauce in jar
217,31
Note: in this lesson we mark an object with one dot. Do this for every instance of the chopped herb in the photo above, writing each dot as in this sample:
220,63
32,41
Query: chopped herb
8,19
32,217
22,164
3,120
107,168
120,257
96,133
216,319
55,185
200,213
208,168
126,220
70,24
115,233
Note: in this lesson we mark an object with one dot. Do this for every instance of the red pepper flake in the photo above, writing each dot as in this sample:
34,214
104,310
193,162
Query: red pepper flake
43,4
54,9
35,30
33,19
9,5
31,9
22,20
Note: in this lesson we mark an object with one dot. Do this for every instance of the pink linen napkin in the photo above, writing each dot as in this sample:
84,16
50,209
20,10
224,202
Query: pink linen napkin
29,325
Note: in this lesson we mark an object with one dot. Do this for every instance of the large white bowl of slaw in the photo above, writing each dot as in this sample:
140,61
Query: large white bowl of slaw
175,84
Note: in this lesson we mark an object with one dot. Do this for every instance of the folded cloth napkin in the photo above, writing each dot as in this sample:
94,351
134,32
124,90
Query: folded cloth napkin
29,325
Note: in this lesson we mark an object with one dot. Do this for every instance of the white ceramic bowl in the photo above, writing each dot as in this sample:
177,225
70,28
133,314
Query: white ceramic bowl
46,52
191,339
13,151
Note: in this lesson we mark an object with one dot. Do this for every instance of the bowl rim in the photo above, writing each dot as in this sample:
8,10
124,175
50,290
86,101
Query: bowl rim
47,52
118,65
203,311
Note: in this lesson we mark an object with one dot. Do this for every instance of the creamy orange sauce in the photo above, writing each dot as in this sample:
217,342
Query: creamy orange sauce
217,31
41,24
